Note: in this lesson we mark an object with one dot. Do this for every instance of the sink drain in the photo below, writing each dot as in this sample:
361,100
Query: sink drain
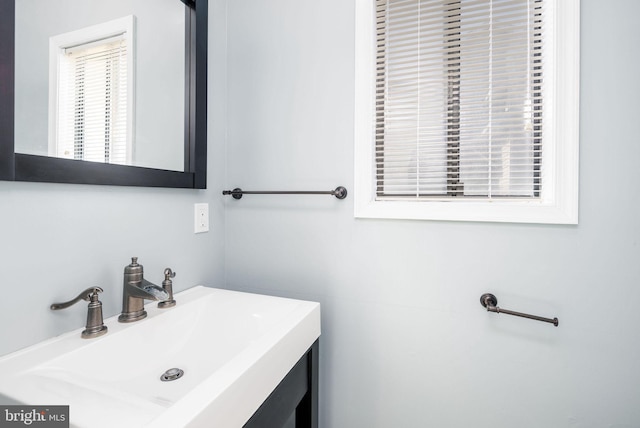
171,374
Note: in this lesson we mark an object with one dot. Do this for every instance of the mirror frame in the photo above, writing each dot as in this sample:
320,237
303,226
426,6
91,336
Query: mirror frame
35,168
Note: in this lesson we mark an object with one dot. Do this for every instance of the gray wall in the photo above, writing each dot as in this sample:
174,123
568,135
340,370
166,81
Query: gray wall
56,240
405,341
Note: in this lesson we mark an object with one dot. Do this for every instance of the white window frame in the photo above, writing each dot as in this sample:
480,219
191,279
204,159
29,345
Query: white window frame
124,26
558,203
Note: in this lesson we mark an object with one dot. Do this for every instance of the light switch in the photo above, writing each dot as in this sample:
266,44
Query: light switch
201,220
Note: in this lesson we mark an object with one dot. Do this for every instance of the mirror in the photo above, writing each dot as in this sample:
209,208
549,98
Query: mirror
164,96
102,83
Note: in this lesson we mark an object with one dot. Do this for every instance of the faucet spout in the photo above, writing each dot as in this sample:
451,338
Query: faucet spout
146,290
135,290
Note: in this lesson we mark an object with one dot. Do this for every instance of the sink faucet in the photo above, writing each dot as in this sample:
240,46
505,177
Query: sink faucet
135,290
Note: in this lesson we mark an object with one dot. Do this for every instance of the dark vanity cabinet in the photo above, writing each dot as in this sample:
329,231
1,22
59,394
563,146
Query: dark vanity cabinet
294,402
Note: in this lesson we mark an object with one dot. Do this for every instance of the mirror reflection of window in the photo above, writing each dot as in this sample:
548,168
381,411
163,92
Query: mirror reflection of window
91,93
93,128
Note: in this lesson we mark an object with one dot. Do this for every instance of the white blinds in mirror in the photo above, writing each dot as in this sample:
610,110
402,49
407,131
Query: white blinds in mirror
93,102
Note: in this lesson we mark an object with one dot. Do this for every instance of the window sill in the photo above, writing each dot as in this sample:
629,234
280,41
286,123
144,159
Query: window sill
474,211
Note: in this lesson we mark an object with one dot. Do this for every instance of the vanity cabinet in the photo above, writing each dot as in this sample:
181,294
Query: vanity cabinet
294,402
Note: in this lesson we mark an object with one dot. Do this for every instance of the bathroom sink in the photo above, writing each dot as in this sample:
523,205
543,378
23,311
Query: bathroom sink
233,348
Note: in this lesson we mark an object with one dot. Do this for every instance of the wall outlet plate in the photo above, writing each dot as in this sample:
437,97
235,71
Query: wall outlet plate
201,218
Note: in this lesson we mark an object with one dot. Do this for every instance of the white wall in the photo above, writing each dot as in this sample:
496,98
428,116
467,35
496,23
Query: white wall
58,239
405,341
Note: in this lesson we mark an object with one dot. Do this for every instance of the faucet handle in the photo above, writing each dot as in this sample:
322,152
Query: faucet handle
85,295
95,325
168,274
167,285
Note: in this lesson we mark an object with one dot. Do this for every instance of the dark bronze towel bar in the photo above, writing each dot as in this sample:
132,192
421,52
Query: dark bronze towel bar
340,192
490,302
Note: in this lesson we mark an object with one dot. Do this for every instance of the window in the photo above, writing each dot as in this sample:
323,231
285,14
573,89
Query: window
91,102
469,111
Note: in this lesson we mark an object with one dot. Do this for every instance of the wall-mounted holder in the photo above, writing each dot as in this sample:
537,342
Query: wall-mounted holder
490,302
339,192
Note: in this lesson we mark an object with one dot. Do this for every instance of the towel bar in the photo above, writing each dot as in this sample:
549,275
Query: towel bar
339,192
490,302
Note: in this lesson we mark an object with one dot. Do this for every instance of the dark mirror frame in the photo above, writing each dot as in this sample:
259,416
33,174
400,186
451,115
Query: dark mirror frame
24,167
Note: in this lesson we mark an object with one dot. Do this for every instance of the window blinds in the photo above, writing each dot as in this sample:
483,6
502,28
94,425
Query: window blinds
93,102
458,98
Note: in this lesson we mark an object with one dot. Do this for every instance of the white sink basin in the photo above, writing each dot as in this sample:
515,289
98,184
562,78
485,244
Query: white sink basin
234,349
